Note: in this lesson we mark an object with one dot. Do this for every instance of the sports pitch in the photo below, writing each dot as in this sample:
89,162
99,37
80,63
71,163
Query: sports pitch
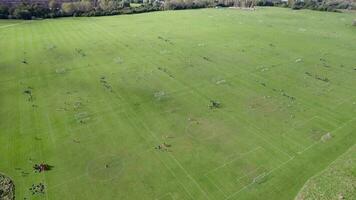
119,106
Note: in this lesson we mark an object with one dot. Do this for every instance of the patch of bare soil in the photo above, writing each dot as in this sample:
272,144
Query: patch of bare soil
7,188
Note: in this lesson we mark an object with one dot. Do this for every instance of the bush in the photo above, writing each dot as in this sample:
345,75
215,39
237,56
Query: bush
22,12
298,5
188,4
68,8
110,5
265,3
77,8
322,5
4,12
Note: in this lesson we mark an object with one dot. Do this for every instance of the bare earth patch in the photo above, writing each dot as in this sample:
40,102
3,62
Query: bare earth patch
7,188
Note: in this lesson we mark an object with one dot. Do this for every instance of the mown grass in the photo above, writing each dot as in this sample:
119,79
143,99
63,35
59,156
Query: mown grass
93,97
337,181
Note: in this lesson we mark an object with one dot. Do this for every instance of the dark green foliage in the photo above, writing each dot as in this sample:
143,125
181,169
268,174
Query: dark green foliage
4,11
323,5
190,4
116,7
25,11
265,3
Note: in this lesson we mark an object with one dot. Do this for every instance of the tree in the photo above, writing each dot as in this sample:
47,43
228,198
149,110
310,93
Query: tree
4,12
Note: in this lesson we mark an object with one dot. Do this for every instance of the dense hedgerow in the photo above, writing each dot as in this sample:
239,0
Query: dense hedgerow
324,5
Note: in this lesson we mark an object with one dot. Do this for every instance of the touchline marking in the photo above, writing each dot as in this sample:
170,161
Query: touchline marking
317,142
236,158
310,146
215,185
246,186
189,176
167,194
156,138
10,25
248,173
175,176
263,138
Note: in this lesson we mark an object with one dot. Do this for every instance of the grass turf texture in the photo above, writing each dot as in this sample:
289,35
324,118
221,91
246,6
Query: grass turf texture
106,91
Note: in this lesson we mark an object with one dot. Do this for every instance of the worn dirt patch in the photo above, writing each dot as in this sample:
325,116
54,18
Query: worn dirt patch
7,188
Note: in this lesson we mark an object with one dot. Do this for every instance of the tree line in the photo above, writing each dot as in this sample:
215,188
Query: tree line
54,8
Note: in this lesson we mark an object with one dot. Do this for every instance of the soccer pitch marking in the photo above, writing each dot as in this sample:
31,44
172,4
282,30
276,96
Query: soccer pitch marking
305,148
186,172
134,123
86,173
50,130
348,100
262,137
195,90
176,177
240,156
249,173
263,175
333,131
174,159
211,181
165,195
10,25
325,169
294,128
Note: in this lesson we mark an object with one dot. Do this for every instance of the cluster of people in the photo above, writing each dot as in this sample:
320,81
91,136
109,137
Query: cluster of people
41,167
214,104
37,189
163,146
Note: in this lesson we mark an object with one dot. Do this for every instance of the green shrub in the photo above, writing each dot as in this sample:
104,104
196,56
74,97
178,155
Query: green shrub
4,12
68,8
22,12
110,5
77,8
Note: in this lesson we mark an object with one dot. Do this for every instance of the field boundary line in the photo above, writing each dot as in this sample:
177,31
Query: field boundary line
86,171
265,174
10,25
264,139
342,102
336,129
300,125
308,147
175,176
240,156
342,126
248,173
285,135
189,176
167,194
211,181
135,123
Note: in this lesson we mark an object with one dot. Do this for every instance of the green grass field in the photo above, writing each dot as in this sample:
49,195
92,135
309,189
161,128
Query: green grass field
93,97
337,181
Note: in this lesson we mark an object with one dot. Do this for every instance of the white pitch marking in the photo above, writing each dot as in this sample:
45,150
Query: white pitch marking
236,158
246,186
